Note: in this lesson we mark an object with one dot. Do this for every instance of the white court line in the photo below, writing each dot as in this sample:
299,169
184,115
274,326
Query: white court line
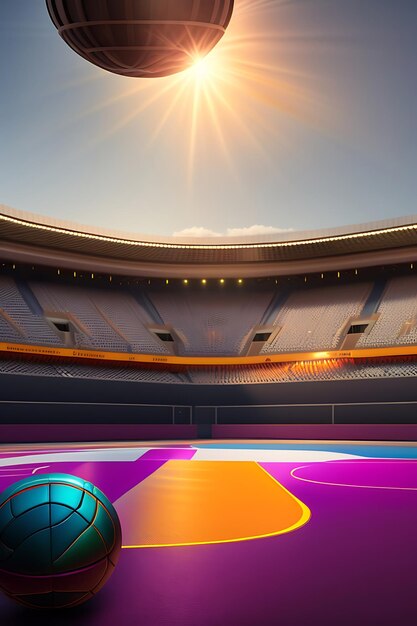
14,475
329,484
261,455
39,468
18,469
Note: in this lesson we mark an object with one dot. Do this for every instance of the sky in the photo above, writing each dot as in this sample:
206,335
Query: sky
302,117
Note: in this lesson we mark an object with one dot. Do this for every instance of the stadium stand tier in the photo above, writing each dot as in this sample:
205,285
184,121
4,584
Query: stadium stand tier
203,321
300,371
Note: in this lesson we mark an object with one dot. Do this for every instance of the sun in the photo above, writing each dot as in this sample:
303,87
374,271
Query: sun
202,68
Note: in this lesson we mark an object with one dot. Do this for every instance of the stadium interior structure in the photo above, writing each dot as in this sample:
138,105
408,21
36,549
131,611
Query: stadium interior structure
300,335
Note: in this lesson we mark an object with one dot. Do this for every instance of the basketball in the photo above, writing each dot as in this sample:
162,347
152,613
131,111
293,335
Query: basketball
60,540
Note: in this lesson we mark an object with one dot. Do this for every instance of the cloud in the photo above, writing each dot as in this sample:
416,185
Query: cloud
256,229
197,231
246,231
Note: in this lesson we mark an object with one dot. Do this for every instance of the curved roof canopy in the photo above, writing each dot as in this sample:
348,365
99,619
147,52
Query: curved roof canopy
26,237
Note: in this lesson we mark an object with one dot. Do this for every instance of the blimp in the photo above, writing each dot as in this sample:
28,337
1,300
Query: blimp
141,38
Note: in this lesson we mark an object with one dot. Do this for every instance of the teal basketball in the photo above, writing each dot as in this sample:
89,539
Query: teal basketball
60,540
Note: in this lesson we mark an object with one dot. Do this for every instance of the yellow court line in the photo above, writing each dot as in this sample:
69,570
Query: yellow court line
306,513
329,484
305,516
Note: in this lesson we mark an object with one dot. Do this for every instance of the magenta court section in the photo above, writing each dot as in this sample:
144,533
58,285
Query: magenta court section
45,433
352,432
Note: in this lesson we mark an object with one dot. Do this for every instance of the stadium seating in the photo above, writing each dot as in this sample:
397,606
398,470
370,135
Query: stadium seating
23,326
123,312
212,322
398,306
92,330
89,372
304,371
314,319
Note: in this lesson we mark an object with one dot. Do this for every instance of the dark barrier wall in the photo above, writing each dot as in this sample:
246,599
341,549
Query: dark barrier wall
295,414
32,399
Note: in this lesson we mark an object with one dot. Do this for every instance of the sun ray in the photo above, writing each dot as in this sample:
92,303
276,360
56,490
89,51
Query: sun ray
193,132
220,134
169,112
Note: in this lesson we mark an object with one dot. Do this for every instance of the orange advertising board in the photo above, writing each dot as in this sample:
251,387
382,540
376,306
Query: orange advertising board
127,357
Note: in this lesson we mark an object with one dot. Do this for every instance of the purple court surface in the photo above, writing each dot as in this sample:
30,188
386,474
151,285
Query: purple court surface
245,533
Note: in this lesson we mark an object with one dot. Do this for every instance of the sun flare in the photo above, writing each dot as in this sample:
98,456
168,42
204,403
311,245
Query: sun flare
230,98
202,68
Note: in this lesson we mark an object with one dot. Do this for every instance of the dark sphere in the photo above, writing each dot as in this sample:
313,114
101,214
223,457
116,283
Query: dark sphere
141,38
60,540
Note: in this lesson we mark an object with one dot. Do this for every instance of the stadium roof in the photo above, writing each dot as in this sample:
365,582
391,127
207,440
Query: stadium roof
30,238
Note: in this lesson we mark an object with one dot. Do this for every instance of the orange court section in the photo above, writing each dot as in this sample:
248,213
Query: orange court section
199,502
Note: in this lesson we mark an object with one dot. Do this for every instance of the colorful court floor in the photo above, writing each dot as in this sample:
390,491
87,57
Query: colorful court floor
245,532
